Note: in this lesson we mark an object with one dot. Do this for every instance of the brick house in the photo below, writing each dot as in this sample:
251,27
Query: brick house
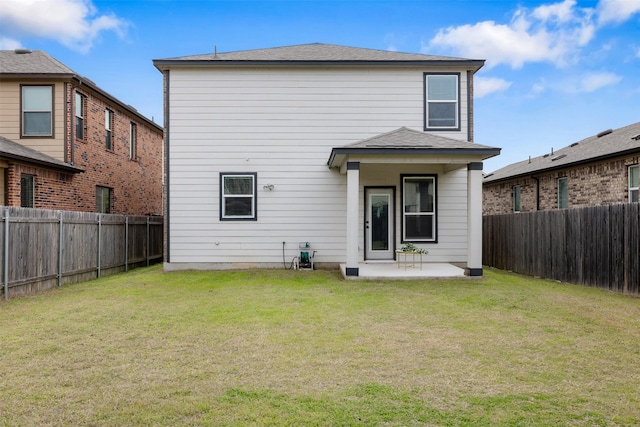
599,170
67,144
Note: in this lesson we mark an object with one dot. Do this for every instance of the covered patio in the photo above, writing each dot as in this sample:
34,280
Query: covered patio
424,189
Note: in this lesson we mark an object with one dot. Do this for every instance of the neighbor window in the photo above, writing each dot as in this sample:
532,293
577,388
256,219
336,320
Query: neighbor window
441,101
37,110
108,124
516,198
27,190
633,183
133,140
563,193
238,196
80,108
103,199
419,208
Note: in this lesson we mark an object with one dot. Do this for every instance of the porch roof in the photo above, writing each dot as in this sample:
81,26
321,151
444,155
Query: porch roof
12,150
409,142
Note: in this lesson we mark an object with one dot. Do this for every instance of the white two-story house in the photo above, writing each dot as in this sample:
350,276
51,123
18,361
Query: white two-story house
355,151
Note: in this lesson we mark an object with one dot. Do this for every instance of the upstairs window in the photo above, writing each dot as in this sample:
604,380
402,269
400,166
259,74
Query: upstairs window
563,193
37,110
133,141
27,191
633,183
238,196
516,198
80,109
108,125
441,102
419,208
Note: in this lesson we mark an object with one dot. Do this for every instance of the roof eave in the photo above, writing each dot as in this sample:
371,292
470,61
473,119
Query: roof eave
485,153
563,166
163,64
50,165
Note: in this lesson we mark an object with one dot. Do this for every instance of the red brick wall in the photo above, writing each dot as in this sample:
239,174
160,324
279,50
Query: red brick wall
597,183
136,183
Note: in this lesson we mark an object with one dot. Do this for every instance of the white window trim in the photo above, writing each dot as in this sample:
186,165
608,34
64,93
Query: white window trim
108,129
433,213
636,188
254,197
23,111
517,189
81,101
559,195
427,102
133,141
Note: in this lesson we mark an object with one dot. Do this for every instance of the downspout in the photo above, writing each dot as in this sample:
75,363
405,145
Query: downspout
470,105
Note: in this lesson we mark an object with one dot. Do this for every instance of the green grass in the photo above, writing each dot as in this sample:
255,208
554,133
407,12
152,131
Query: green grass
263,348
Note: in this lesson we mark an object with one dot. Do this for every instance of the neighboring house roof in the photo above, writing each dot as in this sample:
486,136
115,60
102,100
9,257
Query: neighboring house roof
39,64
12,150
405,141
607,144
316,54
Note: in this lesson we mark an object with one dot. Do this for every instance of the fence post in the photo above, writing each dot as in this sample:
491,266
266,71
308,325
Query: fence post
126,244
60,252
6,254
99,241
148,241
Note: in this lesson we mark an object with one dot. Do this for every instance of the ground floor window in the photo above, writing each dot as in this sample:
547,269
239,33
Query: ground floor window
27,190
419,208
103,199
633,183
563,193
516,198
238,196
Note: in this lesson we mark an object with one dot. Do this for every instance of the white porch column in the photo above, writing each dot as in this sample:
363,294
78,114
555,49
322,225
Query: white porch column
353,186
474,219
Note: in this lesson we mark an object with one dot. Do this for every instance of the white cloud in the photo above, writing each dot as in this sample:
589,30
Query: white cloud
74,23
9,44
617,11
593,81
549,33
483,86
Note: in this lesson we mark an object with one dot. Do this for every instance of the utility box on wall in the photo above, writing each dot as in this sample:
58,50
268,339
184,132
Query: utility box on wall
305,259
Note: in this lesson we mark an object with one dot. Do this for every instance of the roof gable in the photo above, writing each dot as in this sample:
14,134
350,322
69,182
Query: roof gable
24,61
315,53
405,141
607,144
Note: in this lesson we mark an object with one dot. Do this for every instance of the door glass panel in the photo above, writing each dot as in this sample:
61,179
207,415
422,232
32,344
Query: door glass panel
379,222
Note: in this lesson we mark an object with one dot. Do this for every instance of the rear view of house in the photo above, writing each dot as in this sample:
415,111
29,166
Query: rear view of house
352,151
67,144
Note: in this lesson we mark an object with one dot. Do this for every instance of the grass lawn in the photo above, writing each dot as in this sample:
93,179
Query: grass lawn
305,348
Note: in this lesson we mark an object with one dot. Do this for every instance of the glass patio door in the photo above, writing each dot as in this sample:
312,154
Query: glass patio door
379,224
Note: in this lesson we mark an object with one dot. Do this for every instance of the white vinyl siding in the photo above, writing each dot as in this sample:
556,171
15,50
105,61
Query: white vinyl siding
282,124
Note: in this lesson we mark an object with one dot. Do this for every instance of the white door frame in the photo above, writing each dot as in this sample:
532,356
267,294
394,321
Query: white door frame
371,226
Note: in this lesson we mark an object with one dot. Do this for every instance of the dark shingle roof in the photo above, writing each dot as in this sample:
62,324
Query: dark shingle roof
31,62
314,53
611,143
405,141
12,150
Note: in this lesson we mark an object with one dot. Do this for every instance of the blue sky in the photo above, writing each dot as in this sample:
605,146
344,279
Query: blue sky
555,73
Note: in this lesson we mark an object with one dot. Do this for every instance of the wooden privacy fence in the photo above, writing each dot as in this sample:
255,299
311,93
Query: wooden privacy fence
42,248
594,246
